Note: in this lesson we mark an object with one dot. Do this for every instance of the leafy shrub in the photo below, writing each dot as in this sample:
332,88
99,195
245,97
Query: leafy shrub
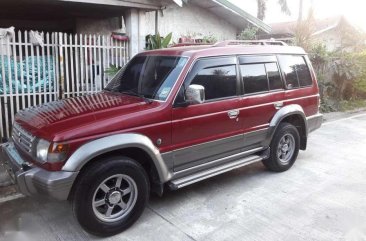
248,33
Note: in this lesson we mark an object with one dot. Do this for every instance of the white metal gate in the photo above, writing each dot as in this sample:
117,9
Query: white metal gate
62,66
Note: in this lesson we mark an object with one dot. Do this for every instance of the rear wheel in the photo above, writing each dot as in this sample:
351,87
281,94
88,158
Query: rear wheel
284,148
111,195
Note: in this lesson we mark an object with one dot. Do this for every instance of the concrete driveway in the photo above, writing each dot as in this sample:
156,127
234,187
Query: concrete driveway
323,197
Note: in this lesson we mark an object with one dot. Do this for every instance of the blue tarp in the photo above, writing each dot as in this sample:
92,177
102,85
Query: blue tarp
41,78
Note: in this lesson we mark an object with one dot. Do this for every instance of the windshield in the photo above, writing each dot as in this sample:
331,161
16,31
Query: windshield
149,77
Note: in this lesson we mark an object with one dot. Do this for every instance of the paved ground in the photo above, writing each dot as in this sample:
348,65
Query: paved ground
323,197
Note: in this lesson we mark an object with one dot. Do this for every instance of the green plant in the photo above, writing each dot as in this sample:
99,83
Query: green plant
209,39
346,70
112,70
158,42
249,33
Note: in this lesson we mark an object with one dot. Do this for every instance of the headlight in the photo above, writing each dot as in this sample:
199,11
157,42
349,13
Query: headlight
42,150
47,152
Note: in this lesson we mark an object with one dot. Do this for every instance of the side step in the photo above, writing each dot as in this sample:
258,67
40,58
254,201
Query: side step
199,176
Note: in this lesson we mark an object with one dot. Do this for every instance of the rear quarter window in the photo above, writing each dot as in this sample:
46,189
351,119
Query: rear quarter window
295,70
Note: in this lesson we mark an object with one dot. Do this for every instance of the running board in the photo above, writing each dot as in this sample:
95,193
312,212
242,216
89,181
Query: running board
199,176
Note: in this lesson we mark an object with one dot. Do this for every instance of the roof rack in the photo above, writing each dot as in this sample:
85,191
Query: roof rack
188,44
249,42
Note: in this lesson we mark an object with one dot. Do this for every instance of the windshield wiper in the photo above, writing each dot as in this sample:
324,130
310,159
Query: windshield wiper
130,92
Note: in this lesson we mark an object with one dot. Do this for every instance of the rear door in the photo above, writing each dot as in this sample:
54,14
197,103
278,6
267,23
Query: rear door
263,96
301,89
211,130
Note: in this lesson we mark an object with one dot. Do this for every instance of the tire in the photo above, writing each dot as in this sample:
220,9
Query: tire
108,209
282,156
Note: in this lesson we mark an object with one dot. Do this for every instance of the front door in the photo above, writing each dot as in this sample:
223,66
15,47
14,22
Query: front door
205,132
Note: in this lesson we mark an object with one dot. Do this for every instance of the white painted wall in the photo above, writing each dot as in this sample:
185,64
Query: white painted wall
190,19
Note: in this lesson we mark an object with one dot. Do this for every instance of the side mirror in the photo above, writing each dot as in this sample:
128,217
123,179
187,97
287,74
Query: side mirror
195,94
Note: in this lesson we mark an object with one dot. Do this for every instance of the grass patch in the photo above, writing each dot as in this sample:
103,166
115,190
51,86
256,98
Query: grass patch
347,105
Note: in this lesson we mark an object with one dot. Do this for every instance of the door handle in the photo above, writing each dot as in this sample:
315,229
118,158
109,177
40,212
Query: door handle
233,113
278,105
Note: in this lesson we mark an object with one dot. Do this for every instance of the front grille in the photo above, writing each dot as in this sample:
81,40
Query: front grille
22,138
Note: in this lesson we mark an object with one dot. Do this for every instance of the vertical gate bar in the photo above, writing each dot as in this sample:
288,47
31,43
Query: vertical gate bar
44,94
90,61
86,65
104,61
108,53
123,52
67,76
8,48
20,41
49,74
27,70
82,74
62,74
120,57
3,95
16,99
33,76
95,63
113,52
39,76
100,62
55,65
77,79
72,86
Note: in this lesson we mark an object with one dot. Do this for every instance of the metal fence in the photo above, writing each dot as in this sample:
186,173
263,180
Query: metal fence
62,66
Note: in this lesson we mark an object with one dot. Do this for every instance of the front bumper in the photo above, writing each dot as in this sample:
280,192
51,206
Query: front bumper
32,180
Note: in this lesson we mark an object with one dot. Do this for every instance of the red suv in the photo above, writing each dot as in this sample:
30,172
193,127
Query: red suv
168,119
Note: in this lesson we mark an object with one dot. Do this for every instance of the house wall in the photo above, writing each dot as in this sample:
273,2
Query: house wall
98,26
332,39
190,19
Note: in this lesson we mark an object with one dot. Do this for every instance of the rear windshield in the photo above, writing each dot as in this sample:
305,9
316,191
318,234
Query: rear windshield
150,77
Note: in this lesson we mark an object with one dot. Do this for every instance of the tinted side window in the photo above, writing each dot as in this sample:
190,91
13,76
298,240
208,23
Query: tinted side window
288,66
303,72
274,76
296,71
254,77
219,81
217,75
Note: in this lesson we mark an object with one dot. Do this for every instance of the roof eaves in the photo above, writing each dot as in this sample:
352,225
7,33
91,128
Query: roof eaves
325,30
238,11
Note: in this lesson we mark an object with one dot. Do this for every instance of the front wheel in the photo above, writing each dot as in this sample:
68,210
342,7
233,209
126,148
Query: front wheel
285,147
111,195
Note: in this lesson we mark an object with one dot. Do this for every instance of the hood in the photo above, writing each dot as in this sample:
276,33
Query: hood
50,119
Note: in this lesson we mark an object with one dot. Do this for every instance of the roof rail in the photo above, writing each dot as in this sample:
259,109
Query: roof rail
249,42
188,44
